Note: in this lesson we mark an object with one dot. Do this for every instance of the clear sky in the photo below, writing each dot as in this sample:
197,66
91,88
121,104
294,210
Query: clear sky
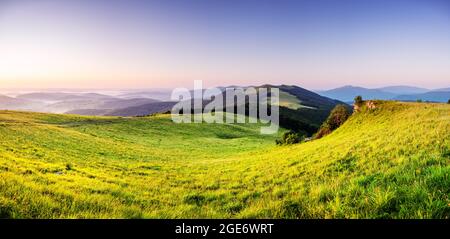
170,43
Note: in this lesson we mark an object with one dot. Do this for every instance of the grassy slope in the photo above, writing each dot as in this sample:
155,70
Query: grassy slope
389,162
71,166
289,101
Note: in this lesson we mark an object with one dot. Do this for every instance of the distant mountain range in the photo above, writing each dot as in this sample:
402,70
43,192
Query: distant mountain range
300,109
61,102
401,93
443,89
403,90
136,110
348,93
53,97
161,95
104,104
11,103
432,96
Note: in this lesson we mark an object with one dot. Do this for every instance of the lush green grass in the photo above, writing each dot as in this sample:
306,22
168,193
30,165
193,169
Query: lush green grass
391,162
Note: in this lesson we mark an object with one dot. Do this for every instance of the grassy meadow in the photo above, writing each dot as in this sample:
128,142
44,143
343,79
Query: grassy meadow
389,162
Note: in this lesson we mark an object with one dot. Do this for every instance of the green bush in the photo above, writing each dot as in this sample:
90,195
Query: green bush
358,100
289,137
336,118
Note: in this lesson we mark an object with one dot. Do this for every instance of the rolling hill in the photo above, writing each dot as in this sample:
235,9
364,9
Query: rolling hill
10,103
389,162
62,102
105,105
145,109
158,94
300,110
310,110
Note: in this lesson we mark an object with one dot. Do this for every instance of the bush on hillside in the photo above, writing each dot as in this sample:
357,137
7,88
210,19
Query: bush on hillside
323,131
336,118
358,100
289,137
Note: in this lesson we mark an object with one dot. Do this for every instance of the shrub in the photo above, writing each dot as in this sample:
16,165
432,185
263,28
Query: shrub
69,166
336,118
358,100
419,100
289,137
448,102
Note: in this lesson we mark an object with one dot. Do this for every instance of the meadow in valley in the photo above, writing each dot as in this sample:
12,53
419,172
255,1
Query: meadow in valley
389,162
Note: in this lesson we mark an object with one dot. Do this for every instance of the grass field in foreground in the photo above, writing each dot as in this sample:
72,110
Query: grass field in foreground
391,162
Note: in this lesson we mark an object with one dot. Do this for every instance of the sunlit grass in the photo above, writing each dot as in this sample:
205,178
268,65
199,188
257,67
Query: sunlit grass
391,162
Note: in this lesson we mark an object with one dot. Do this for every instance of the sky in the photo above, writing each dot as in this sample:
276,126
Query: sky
316,44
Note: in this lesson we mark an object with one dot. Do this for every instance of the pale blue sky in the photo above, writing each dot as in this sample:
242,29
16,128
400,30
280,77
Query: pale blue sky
171,43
